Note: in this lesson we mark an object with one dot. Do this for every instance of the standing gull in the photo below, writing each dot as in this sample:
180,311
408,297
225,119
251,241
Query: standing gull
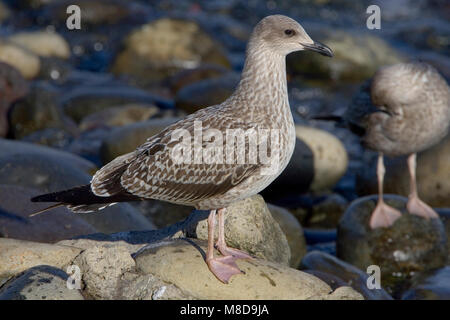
260,102
408,111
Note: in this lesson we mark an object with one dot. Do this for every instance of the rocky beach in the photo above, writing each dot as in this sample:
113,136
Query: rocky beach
73,100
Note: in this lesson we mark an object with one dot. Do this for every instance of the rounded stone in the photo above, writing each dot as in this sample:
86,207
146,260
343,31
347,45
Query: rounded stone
13,86
181,263
50,173
410,246
40,283
329,154
23,60
357,56
432,285
38,110
166,46
101,268
42,43
15,208
336,272
16,148
205,93
293,232
249,226
19,255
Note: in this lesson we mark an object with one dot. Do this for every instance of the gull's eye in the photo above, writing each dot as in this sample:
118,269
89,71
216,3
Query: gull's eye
289,32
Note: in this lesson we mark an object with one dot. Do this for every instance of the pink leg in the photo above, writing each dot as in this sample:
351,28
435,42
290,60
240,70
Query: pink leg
224,267
383,215
221,244
415,205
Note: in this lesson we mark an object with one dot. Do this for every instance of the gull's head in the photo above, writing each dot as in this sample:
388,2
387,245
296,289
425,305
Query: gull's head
284,35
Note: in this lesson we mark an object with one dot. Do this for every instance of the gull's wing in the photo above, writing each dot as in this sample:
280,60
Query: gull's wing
152,172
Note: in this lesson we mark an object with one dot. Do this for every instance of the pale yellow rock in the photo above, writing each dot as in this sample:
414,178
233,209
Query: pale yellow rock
42,43
330,156
23,60
249,226
101,268
19,255
181,263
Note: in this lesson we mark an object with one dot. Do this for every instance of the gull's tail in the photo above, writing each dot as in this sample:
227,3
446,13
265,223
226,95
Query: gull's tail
80,200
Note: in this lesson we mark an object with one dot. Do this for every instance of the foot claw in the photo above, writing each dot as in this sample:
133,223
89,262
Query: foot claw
223,268
419,208
383,216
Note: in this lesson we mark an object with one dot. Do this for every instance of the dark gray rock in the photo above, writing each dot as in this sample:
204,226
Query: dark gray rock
336,273
52,173
40,283
432,285
15,207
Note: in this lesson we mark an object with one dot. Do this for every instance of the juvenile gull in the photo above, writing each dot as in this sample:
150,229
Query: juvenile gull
260,102
408,111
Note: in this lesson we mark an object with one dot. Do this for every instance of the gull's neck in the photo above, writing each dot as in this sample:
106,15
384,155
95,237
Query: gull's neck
263,82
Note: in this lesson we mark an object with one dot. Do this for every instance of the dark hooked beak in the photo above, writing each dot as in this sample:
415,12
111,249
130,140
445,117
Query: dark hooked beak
319,47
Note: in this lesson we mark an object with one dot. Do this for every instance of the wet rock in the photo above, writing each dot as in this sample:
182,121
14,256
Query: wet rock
249,226
128,138
205,93
262,279
432,285
338,273
119,116
189,76
13,148
85,100
50,173
166,46
23,60
293,232
19,255
15,207
40,283
38,110
410,246
323,212
433,175
13,86
42,43
357,56
101,268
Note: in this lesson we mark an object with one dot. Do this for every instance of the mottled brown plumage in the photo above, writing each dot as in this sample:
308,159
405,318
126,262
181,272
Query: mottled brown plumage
260,102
